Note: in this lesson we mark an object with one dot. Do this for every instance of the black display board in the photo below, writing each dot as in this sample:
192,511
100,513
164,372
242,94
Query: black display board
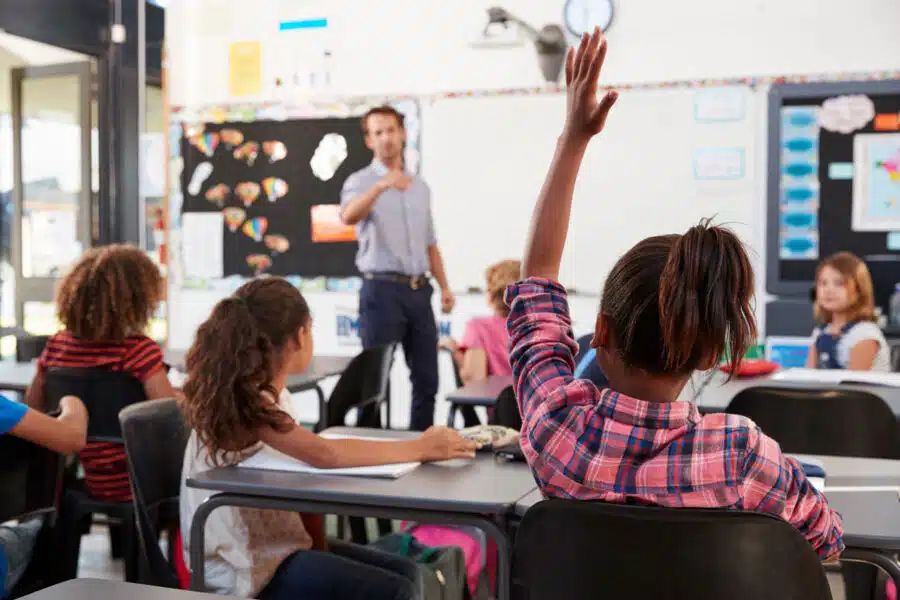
288,216
795,276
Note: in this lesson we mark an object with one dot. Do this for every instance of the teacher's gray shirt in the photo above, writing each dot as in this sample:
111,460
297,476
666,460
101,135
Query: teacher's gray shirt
395,235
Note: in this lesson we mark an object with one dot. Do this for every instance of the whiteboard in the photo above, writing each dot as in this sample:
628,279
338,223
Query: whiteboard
485,159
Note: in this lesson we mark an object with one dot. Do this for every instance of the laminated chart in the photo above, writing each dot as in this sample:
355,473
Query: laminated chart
876,187
798,235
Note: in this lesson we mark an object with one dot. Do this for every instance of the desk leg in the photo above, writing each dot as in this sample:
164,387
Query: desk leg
492,529
882,559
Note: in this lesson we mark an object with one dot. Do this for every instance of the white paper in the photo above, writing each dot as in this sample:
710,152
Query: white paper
202,245
719,164
720,105
272,460
836,376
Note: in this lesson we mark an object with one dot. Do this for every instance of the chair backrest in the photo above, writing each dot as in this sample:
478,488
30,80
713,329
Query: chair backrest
30,347
584,344
456,375
30,479
829,421
104,393
155,437
506,410
363,385
569,549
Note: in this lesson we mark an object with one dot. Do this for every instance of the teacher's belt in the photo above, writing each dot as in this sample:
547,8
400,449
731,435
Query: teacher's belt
413,281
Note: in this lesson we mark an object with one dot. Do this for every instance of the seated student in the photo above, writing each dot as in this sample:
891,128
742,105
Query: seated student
235,401
64,434
105,304
847,336
671,305
484,349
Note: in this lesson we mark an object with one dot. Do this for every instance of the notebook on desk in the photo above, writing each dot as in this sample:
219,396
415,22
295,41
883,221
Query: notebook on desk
838,376
270,459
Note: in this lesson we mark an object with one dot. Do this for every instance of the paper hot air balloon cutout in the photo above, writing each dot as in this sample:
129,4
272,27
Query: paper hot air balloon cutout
231,137
256,228
248,192
275,150
206,143
259,262
275,188
247,152
217,194
234,216
193,130
277,243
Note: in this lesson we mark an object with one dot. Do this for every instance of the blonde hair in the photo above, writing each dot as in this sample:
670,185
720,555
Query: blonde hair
859,286
498,276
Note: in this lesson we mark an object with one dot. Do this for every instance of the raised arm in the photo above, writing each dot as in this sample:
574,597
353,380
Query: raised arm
585,118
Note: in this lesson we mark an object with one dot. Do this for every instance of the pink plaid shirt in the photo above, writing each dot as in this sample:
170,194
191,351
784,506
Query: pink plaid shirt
589,444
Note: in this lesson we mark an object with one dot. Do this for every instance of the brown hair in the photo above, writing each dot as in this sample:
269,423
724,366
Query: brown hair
109,294
678,302
498,276
859,283
381,110
233,360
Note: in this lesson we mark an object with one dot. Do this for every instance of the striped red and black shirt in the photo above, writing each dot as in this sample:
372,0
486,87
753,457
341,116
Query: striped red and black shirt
105,466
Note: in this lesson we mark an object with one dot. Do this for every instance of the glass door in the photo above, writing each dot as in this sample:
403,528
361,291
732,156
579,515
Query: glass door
52,183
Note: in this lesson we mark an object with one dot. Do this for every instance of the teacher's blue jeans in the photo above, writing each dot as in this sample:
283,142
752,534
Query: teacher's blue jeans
389,312
346,572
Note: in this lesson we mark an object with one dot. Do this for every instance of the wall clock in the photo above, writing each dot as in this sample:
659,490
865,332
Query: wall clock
581,16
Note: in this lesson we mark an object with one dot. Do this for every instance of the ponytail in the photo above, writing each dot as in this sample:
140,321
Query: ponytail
678,302
704,299
231,366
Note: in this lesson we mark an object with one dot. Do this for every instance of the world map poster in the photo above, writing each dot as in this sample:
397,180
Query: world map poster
876,189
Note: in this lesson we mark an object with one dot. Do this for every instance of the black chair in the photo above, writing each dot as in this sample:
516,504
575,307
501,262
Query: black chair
470,417
506,410
30,347
363,386
155,438
833,422
104,393
31,479
895,358
568,549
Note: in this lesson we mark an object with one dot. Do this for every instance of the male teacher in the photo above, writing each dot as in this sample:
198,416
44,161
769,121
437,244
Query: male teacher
398,252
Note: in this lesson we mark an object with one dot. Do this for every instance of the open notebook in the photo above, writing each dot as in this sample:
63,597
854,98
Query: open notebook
272,460
837,376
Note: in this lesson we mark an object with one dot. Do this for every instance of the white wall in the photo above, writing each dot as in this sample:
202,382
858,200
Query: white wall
416,47
410,46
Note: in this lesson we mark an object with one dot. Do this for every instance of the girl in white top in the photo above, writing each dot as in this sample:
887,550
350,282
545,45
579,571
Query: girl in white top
234,402
848,338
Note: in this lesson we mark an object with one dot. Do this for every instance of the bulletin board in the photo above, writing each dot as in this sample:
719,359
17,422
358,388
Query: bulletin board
256,191
833,181
268,182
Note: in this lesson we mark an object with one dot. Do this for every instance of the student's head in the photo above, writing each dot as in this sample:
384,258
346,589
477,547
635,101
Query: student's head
844,287
110,294
497,277
674,304
251,340
384,132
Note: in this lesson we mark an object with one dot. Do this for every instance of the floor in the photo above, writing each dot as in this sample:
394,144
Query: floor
95,561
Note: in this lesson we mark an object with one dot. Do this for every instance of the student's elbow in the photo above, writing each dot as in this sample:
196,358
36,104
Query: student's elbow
72,441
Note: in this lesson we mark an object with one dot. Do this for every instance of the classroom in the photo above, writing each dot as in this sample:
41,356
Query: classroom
335,299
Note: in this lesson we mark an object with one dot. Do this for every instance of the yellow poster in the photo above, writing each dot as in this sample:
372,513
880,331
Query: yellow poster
245,69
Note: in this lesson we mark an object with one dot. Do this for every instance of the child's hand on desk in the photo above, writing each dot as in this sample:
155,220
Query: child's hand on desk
442,443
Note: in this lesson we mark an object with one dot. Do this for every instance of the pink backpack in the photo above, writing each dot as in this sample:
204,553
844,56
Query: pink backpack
480,552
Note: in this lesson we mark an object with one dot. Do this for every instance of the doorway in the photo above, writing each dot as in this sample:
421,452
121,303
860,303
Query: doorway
49,181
